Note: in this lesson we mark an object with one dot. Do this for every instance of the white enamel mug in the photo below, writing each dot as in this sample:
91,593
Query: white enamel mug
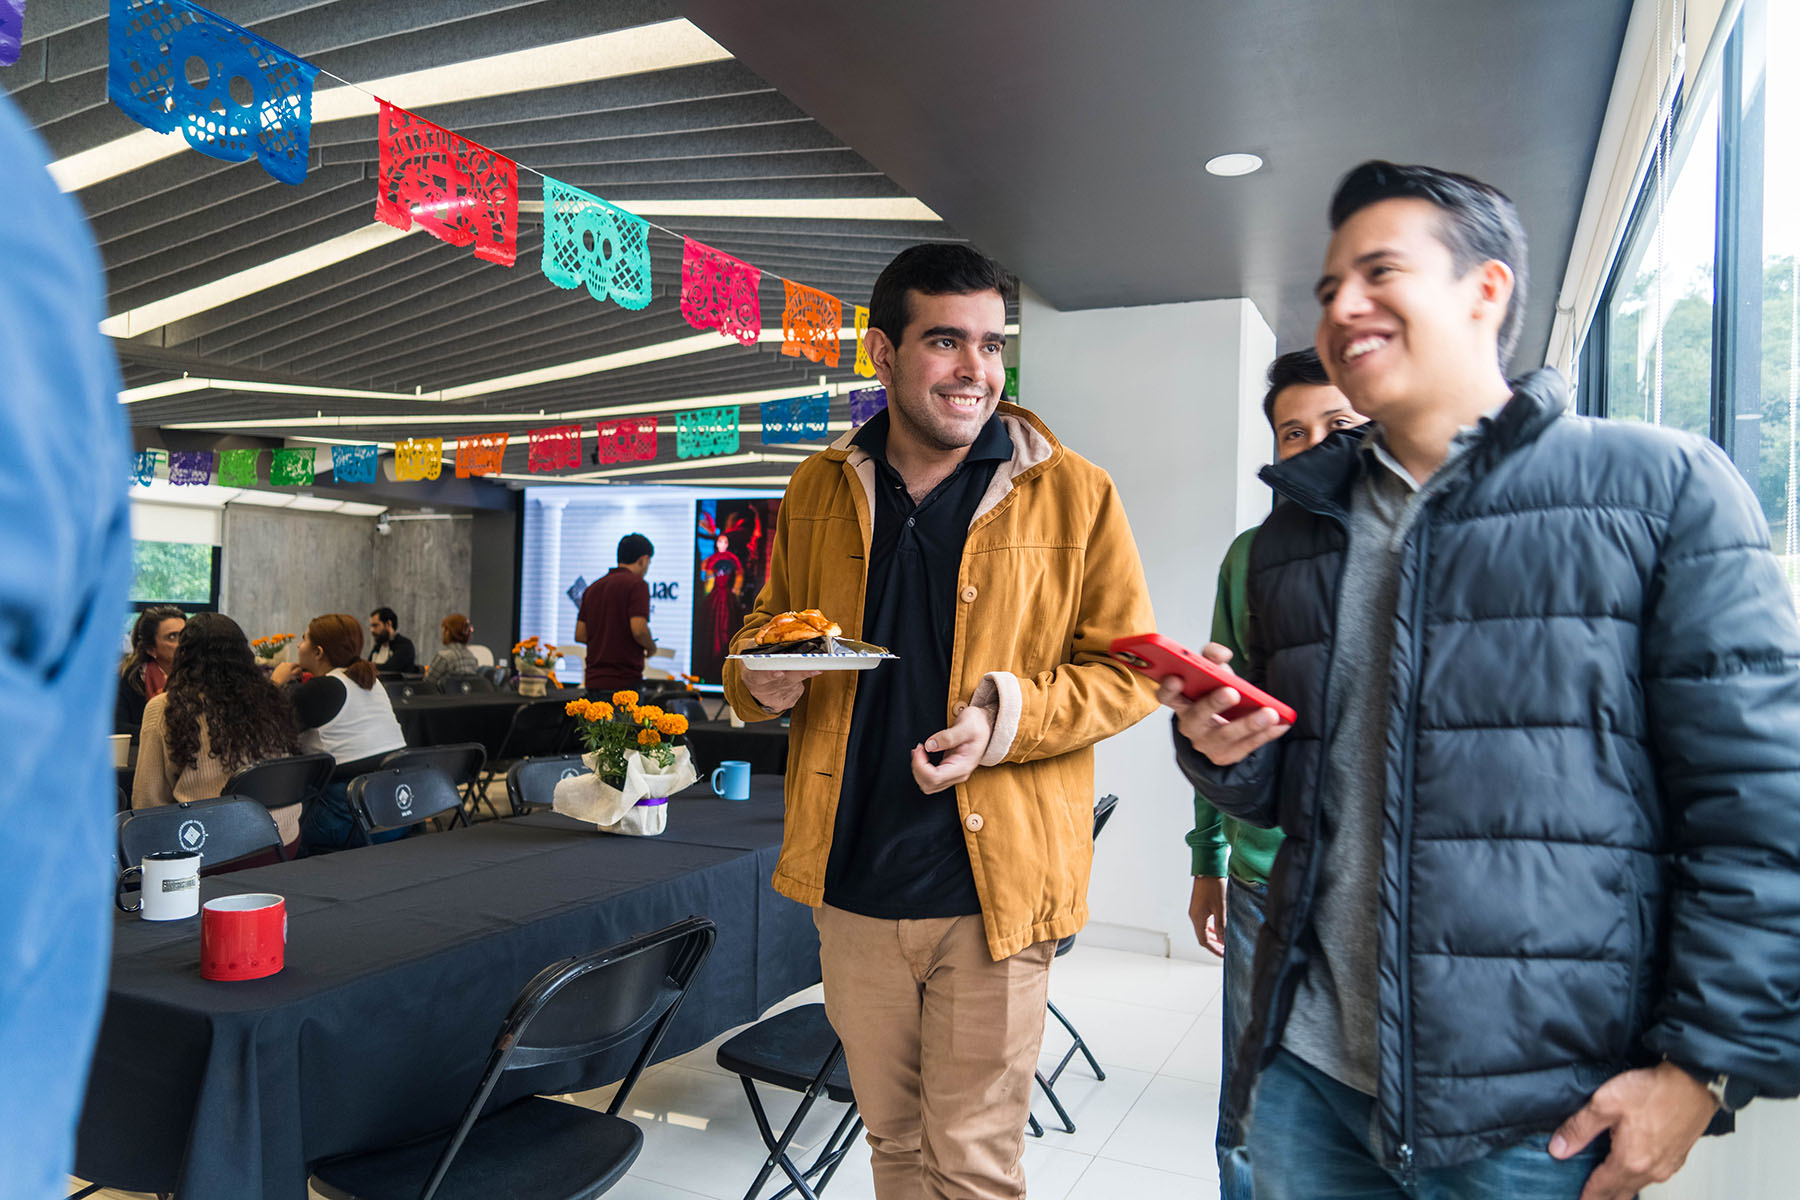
170,890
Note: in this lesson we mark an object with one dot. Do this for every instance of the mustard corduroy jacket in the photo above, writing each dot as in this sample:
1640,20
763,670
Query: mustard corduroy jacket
1050,576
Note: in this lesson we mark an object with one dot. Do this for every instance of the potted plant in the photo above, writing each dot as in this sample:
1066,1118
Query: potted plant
536,665
638,757
269,649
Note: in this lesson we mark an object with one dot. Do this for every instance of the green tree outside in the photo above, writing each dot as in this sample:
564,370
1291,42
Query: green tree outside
176,572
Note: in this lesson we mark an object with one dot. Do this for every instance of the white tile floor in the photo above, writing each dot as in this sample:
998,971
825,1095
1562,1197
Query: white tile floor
1146,1132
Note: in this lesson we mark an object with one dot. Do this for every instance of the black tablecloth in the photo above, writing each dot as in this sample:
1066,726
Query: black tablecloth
480,717
402,960
762,744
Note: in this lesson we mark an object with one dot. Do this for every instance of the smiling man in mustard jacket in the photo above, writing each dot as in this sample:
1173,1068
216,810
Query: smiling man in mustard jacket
940,807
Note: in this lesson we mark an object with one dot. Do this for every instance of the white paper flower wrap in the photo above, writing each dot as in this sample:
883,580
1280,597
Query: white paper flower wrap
640,809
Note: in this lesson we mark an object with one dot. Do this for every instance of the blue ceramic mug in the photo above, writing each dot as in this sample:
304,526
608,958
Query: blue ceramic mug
736,775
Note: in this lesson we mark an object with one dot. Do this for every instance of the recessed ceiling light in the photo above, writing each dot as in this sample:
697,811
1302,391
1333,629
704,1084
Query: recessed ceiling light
1233,164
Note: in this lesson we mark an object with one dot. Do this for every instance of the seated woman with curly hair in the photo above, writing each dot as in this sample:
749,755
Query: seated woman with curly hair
218,715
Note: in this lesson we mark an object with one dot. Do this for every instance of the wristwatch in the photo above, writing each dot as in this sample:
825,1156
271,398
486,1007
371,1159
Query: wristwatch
1729,1092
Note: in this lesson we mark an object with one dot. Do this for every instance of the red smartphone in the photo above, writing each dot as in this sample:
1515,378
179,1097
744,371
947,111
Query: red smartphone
1156,656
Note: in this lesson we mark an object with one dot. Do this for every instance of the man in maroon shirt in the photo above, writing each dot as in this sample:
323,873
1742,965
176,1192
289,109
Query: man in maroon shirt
614,621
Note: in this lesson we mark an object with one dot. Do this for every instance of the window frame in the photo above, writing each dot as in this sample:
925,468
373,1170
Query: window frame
1737,255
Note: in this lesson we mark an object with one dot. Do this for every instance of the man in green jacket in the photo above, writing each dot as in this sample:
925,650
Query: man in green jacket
1232,859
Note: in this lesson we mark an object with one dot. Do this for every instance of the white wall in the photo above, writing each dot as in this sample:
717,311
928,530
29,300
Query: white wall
1168,398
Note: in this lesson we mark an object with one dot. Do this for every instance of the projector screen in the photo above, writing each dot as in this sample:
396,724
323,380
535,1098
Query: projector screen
572,538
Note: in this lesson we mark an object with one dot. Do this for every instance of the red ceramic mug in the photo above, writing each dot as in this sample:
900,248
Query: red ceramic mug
243,937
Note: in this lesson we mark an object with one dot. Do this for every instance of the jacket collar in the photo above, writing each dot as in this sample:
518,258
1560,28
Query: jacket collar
1034,450
1322,478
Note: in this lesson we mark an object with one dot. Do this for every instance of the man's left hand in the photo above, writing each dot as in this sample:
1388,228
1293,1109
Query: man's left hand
962,744
1655,1114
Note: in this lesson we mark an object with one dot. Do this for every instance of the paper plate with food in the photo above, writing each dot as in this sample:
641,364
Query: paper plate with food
808,641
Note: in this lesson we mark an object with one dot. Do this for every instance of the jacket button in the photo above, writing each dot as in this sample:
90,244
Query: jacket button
968,594
973,821
956,710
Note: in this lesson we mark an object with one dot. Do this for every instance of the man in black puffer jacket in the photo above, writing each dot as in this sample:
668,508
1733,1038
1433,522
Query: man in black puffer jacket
1542,876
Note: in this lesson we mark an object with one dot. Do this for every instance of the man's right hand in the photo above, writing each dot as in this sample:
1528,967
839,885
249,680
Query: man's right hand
1203,724
777,691
1206,909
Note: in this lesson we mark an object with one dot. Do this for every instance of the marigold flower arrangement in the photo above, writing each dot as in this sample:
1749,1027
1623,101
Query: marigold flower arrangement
612,732
534,658
269,648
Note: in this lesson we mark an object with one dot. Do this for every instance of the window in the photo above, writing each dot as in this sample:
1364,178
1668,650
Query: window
173,573
1766,424
1727,256
1664,284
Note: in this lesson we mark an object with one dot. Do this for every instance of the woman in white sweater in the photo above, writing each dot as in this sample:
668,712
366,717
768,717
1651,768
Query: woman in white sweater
344,712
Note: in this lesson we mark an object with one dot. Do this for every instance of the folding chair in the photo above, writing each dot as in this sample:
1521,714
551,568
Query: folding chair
537,1147
687,703
800,1051
461,761
222,830
466,685
405,687
531,782
399,799
1103,810
536,729
279,782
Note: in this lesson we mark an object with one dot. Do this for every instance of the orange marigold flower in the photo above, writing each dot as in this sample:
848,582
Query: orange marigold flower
672,724
599,710
648,712
574,708
625,699
649,737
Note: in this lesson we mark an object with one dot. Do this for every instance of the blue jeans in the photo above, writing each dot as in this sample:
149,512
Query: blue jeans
1312,1138
327,826
1245,911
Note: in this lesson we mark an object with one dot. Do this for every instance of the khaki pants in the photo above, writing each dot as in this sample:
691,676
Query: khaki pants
941,1042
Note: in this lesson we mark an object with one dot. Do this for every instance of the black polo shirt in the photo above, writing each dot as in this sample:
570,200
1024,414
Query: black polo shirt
896,853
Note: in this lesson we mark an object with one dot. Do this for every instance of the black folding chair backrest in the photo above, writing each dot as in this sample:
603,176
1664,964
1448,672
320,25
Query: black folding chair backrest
531,783
650,691
222,830
686,703
396,799
536,729
461,761
279,782
401,687
1103,811
466,685
587,1005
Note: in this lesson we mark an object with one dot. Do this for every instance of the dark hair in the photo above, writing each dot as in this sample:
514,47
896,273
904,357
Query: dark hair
143,643
387,617
456,628
1479,223
339,637
1296,368
216,677
634,546
933,269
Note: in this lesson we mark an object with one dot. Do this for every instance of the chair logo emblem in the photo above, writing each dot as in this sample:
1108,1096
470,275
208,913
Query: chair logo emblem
403,796
568,773
191,835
